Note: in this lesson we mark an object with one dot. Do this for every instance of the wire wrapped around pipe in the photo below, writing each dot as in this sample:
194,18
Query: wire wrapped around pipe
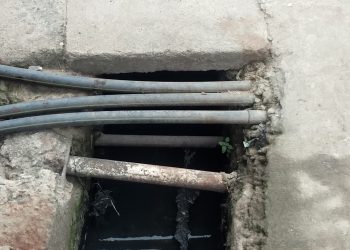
80,82
123,101
132,117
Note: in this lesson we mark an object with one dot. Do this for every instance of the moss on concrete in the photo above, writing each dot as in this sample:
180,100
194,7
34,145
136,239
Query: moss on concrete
77,221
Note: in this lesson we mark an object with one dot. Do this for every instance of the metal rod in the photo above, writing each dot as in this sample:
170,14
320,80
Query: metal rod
170,141
132,117
145,173
124,101
120,85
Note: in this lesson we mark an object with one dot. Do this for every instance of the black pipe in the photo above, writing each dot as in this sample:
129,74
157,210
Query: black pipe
133,117
123,101
80,82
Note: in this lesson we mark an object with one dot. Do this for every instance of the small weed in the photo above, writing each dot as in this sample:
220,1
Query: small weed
226,147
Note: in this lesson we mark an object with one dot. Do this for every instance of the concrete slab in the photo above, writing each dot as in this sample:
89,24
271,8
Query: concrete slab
38,209
143,36
309,165
32,32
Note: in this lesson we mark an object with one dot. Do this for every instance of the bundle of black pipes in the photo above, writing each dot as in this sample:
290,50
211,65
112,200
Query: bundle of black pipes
198,94
167,98
48,114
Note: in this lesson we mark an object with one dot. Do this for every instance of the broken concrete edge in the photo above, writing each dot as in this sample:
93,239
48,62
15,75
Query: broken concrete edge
59,210
49,59
69,218
79,209
36,168
99,64
248,192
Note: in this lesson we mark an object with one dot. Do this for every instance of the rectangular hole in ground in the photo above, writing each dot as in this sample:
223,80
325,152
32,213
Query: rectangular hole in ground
147,217
170,76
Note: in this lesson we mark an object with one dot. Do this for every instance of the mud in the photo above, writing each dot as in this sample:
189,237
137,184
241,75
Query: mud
247,194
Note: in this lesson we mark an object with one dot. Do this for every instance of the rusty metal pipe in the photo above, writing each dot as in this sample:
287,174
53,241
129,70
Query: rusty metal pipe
80,82
145,173
133,117
168,141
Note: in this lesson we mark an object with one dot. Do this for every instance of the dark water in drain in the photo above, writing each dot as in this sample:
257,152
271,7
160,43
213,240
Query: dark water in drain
147,220
148,213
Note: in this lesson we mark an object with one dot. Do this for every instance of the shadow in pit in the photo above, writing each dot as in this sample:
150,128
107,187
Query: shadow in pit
147,217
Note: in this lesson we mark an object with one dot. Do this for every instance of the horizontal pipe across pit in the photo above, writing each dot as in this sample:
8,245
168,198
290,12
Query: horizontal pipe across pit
168,141
133,117
67,81
146,173
127,101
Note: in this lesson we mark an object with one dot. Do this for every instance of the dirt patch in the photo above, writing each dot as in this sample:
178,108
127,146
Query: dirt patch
247,195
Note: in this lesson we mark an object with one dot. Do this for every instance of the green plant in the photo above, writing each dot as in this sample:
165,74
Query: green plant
226,147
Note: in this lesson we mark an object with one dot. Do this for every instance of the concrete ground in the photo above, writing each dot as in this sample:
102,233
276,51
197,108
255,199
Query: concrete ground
107,36
308,204
308,172
37,211
151,35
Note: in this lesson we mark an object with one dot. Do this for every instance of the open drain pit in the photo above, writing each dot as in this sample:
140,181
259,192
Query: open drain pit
147,213
135,216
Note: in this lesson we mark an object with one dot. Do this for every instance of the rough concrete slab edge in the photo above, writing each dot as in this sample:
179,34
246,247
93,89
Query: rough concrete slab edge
151,62
73,216
59,58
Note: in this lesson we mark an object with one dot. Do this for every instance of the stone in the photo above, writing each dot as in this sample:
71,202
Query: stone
39,209
40,212
308,198
144,36
31,32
